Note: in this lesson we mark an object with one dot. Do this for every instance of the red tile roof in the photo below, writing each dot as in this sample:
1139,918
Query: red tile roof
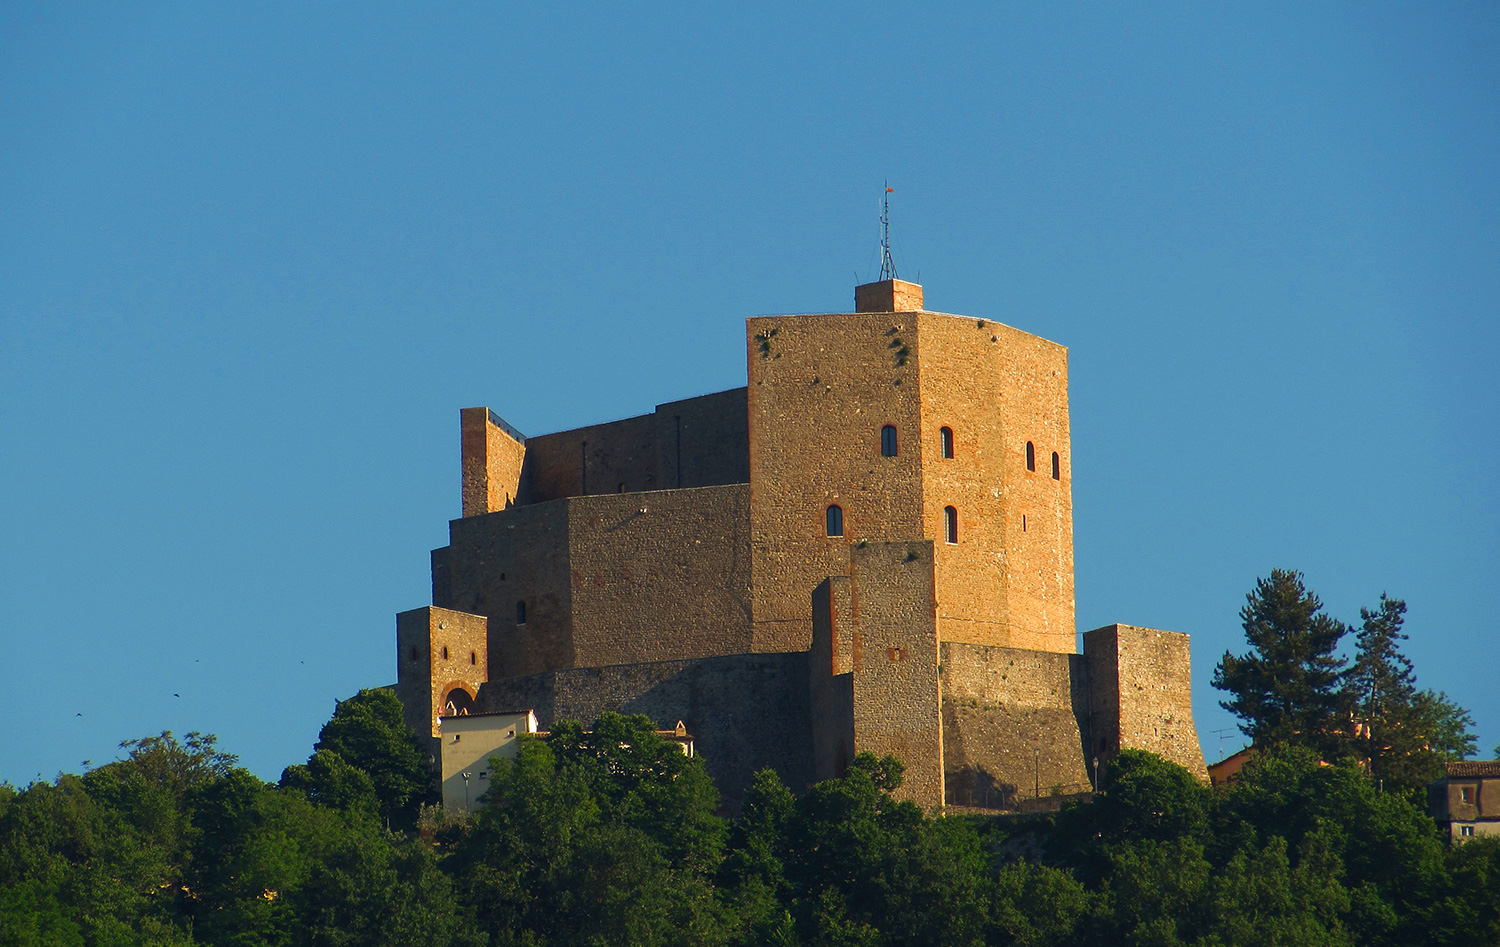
1473,768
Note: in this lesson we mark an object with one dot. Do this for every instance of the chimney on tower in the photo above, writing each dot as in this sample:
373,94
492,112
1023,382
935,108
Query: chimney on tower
891,295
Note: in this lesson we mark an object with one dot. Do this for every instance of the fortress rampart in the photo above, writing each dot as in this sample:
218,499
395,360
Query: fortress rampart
867,547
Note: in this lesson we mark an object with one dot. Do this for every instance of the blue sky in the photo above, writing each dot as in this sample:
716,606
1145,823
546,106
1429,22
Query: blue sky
255,257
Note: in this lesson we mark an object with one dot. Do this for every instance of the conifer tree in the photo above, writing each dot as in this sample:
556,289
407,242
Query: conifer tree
1383,689
1405,735
1288,687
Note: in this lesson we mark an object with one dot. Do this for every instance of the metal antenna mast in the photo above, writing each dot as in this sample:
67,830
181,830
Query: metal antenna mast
887,265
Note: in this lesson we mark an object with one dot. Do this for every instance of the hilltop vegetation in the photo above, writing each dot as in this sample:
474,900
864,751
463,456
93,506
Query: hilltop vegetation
611,837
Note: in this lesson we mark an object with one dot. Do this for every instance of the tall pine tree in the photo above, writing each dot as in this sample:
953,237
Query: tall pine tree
1383,688
1289,687
1403,734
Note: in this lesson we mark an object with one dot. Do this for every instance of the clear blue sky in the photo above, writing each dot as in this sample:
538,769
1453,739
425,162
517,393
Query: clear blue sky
255,257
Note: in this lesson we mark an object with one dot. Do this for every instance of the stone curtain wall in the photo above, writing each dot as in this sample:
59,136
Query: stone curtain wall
660,576
600,458
696,442
1014,726
703,442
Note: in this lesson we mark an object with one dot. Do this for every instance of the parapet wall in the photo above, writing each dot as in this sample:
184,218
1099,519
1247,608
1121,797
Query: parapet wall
746,712
493,457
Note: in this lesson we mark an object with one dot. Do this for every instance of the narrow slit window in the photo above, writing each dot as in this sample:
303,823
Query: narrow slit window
950,524
1030,456
835,520
945,441
1056,466
888,441
473,657
445,652
520,613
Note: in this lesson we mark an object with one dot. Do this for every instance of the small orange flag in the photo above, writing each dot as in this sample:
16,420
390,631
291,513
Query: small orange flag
890,190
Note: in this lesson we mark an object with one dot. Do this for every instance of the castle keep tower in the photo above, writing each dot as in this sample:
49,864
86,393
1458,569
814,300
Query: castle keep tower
869,546
917,426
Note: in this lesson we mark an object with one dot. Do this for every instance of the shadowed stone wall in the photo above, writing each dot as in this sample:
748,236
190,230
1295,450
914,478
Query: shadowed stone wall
745,712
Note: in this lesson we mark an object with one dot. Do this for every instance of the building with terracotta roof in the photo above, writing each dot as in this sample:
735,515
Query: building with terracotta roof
1465,800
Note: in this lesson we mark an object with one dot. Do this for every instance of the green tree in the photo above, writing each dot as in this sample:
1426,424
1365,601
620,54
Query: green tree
596,837
1143,796
1287,688
863,866
1405,734
754,870
1448,728
1386,848
1383,689
1036,906
368,733
329,780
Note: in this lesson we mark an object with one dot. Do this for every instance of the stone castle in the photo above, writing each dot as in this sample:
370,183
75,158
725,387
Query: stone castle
867,547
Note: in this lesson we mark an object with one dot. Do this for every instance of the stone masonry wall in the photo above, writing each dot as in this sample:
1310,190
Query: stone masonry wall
608,579
961,391
704,441
831,679
660,576
873,667
1140,682
498,562
820,390
696,442
615,457
1014,725
894,651
1009,579
745,712
1039,509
